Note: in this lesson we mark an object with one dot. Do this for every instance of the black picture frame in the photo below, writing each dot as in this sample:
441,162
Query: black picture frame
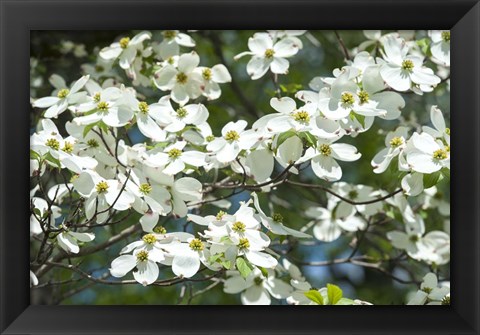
18,17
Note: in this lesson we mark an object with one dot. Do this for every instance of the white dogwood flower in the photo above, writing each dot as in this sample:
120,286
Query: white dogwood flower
433,247
275,222
183,82
175,120
395,143
289,117
145,263
100,194
323,158
234,139
439,130
427,155
68,240
125,49
172,40
431,293
269,55
65,97
174,159
256,289
329,224
440,47
211,77
401,70
188,256
108,106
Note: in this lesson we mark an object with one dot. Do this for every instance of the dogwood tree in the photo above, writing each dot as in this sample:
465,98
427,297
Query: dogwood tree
178,168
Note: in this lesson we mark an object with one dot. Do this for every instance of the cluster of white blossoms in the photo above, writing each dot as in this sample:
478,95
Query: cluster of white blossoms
167,174
423,157
431,292
269,51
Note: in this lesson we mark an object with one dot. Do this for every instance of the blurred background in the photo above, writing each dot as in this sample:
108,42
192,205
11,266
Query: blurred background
66,52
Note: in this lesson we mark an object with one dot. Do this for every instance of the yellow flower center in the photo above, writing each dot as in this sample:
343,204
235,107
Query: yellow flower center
124,42
277,217
68,147
269,53
196,245
209,138
220,215
232,135
427,289
149,239
446,299
239,227
244,243
160,230
96,97
407,65
145,188
93,143
102,187
396,142
446,36
181,112
207,74
143,107
174,153
353,194
102,106
74,177
258,281
363,97
181,78
447,131
347,98
169,34
63,93
302,117
440,154
325,150
53,143
142,256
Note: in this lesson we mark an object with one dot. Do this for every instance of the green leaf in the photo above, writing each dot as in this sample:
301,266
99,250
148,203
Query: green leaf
309,139
214,258
290,88
314,296
360,119
226,264
87,128
103,126
284,136
34,155
334,294
243,267
431,179
37,212
264,271
52,160
424,45
334,211
446,173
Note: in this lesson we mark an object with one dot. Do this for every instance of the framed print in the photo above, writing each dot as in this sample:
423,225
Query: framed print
194,169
